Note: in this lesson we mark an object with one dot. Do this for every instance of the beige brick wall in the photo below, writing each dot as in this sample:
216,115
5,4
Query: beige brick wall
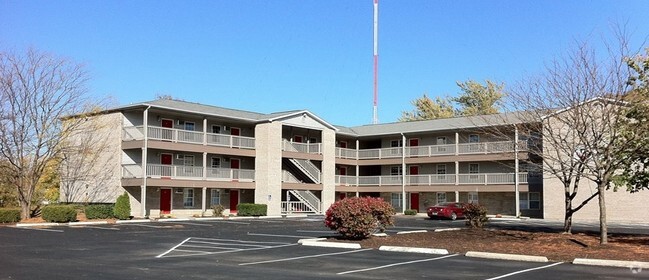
328,194
268,166
621,206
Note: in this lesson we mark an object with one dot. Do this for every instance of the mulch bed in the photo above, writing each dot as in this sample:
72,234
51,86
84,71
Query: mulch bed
555,246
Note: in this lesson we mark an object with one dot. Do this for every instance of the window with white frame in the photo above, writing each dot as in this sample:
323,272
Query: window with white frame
441,197
190,126
396,200
216,129
473,197
396,170
216,162
188,197
474,138
441,140
474,168
396,143
215,197
441,172
531,200
188,160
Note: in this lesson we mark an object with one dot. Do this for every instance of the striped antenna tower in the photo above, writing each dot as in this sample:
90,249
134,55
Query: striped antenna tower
375,116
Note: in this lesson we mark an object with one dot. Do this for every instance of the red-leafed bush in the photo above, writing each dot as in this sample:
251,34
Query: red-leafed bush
359,217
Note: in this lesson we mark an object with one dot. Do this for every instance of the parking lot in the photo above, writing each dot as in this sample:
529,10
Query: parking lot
247,249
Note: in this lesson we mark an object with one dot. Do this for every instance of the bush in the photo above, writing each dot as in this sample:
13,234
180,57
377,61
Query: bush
410,212
59,213
359,217
217,210
122,209
9,215
251,209
99,211
476,215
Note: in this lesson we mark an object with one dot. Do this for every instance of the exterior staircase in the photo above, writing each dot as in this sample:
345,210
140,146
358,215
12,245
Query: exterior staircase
310,200
307,167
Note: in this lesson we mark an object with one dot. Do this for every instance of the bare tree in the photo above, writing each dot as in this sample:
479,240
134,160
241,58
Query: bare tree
38,89
578,101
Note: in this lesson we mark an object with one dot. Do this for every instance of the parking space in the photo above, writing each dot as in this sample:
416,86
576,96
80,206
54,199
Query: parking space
246,249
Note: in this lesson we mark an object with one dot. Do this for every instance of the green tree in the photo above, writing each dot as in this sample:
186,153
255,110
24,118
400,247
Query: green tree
428,109
474,99
477,99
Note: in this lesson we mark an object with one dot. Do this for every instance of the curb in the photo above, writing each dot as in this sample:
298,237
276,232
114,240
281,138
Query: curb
37,224
310,240
611,263
332,244
414,250
509,257
447,229
131,221
412,231
87,223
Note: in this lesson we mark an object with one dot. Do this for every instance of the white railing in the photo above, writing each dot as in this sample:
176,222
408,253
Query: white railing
288,177
187,136
188,172
345,180
309,198
308,148
432,179
346,153
295,207
308,168
432,150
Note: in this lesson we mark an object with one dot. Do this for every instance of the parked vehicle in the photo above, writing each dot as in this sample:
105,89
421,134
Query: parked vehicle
449,210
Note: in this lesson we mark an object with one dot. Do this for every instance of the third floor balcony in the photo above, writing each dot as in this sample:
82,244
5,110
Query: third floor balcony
187,136
432,150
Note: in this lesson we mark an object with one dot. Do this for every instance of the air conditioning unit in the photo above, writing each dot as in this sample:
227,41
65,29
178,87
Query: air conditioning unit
180,156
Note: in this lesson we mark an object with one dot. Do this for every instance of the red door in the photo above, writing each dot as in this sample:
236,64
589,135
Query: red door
165,201
414,142
234,200
165,159
166,171
414,201
235,165
167,123
342,195
342,144
235,131
342,171
298,139
414,170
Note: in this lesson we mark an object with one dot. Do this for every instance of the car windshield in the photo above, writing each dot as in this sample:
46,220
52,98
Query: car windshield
444,204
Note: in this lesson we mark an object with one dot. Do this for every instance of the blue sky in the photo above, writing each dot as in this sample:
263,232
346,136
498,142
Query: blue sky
269,56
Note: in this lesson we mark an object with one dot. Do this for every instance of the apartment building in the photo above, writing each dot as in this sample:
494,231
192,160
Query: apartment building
180,158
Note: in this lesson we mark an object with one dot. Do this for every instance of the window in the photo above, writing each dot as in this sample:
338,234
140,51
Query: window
474,168
441,197
396,201
188,160
396,170
216,162
473,197
190,126
216,197
474,138
188,197
530,200
441,140
313,140
396,143
216,129
441,169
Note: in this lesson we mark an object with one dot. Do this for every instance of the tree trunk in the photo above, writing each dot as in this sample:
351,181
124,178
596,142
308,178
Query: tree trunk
25,209
567,221
603,229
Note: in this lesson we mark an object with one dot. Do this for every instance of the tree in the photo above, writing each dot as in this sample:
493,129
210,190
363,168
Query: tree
427,109
475,99
578,102
38,89
635,175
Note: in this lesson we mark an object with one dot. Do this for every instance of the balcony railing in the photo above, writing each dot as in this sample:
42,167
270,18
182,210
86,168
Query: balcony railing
187,136
188,172
432,179
432,150
309,148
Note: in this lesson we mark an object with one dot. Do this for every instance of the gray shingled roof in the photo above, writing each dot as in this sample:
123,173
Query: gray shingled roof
356,131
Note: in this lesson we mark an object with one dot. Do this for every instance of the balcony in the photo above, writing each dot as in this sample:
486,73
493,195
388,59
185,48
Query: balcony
307,148
432,179
432,150
186,136
162,171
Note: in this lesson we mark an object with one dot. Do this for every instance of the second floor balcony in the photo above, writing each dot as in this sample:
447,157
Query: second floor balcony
187,136
432,150
164,171
433,179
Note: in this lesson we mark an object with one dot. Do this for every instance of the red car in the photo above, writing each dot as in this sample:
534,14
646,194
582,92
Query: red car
450,210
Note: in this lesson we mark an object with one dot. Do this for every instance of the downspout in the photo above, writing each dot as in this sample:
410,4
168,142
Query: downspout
403,173
516,179
145,153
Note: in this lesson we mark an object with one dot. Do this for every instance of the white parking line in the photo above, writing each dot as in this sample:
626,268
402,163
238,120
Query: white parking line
172,248
278,235
228,222
317,231
395,264
525,270
43,229
306,257
106,228
192,224
149,226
